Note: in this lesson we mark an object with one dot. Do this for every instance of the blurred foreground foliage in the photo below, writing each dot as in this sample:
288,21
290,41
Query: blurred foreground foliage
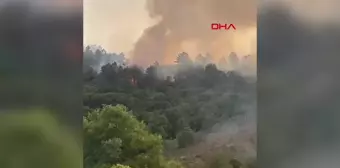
35,139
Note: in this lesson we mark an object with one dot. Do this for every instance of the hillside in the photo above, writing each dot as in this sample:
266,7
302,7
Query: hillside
200,112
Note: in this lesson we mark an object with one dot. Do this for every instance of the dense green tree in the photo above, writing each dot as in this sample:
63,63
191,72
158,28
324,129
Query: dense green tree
113,135
185,138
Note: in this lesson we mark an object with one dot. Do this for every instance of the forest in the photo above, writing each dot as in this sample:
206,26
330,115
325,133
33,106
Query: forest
158,117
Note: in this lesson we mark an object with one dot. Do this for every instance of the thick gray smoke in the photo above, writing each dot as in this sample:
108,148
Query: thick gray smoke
298,86
185,25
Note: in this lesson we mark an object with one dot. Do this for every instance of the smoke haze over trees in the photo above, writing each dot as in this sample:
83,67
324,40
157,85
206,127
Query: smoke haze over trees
95,57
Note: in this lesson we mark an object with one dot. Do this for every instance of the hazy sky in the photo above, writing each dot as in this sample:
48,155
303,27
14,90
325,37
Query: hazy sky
106,21
117,24
182,25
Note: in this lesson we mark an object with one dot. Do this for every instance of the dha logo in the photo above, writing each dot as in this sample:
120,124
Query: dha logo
224,26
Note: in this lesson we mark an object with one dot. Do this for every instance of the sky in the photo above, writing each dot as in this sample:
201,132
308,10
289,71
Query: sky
107,21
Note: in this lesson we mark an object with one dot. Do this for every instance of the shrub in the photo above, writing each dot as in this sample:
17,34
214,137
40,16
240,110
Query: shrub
120,166
113,135
185,138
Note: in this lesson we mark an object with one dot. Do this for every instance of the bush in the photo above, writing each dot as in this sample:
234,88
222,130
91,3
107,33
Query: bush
170,144
120,166
113,135
173,164
185,138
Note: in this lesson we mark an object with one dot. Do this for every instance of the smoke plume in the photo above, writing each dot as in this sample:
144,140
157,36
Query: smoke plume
185,25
